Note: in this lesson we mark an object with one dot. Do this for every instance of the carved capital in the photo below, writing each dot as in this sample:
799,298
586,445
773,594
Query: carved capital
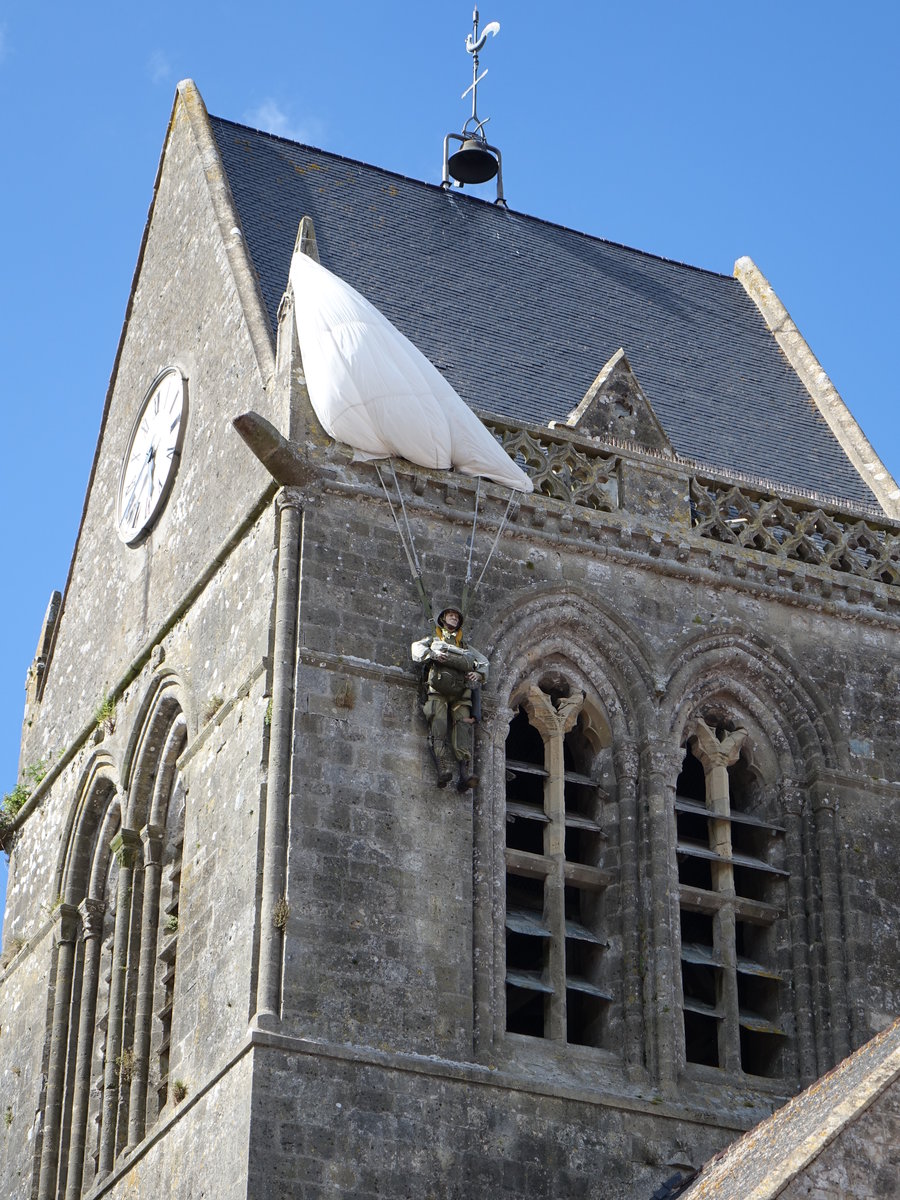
549,719
125,846
92,912
67,922
627,764
710,751
152,837
663,760
791,797
287,499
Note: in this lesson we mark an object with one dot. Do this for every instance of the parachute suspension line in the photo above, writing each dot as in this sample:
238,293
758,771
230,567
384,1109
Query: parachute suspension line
474,526
387,496
465,595
500,528
412,544
411,558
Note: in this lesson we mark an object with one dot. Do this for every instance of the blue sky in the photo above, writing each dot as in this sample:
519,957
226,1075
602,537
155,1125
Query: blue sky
700,132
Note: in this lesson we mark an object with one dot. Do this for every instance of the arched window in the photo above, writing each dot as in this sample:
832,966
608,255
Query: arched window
558,974
83,925
116,960
731,896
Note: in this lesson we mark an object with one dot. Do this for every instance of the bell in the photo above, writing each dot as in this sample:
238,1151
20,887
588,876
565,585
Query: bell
472,163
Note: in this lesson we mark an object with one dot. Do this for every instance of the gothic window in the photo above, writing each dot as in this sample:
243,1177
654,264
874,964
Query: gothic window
731,897
134,1082
115,972
82,925
557,925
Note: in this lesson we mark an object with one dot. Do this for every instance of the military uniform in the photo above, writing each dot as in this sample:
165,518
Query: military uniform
449,670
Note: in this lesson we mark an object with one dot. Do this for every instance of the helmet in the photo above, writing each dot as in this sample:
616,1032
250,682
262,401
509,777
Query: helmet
449,609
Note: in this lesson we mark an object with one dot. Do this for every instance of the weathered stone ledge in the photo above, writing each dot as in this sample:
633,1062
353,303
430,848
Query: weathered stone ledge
349,664
126,1162
651,1104
463,1073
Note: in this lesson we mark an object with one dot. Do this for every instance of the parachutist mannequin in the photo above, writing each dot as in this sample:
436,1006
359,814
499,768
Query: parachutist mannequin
451,671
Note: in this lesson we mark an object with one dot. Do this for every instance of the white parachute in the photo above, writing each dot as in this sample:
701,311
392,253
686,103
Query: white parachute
373,389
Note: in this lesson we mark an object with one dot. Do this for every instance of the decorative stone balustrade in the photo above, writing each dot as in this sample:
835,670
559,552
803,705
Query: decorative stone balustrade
568,468
560,468
796,529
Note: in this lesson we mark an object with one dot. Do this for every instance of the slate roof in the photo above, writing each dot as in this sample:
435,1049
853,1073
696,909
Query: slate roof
520,314
762,1163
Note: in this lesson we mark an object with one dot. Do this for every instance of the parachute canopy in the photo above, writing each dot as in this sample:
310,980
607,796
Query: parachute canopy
373,389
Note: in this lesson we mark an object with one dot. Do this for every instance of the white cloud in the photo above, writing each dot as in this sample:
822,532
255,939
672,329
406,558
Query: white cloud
272,118
159,67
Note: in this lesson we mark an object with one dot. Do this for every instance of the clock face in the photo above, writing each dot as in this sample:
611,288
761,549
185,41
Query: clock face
151,459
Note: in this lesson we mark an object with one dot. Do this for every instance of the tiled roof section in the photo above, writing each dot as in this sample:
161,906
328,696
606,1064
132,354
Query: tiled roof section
520,315
760,1164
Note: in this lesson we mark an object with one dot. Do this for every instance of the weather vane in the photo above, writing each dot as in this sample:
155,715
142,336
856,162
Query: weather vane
475,161
474,43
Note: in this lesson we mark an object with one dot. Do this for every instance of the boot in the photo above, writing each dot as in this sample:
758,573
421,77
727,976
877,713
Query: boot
466,780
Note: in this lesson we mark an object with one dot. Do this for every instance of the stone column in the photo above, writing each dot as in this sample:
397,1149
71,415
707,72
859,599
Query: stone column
152,836
791,805
92,912
716,757
626,769
553,722
661,999
489,866
855,948
125,846
275,851
66,916
838,1019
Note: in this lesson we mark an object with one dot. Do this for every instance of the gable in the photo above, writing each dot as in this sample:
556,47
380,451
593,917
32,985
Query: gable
188,311
615,406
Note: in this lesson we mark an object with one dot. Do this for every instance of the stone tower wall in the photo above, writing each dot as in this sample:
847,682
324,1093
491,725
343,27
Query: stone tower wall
394,941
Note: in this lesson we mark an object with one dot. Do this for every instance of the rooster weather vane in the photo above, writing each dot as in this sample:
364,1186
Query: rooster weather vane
475,161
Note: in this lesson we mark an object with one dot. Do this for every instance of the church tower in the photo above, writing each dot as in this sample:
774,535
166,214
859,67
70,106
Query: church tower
252,949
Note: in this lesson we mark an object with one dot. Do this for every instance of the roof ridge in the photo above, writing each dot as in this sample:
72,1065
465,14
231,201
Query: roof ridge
469,198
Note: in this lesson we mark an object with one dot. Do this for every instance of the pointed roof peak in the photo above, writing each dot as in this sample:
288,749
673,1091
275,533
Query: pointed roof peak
615,405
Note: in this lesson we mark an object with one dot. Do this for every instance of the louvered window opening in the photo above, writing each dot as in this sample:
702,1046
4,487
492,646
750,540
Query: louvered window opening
731,896
555,945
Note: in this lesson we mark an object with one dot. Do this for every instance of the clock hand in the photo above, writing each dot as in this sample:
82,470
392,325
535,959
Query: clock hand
130,512
150,489
137,482
135,488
